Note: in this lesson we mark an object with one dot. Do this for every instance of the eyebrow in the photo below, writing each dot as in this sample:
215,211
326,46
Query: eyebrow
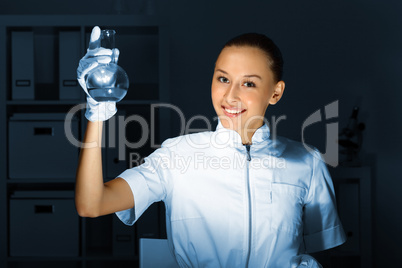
248,75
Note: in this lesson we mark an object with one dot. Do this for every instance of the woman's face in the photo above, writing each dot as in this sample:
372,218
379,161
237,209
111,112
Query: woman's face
242,88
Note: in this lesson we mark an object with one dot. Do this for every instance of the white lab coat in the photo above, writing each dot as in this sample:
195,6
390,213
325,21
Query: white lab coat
227,207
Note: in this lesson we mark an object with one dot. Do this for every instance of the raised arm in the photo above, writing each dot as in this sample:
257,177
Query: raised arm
93,197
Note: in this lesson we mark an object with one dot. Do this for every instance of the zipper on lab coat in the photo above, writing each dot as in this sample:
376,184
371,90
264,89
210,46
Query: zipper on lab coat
249,204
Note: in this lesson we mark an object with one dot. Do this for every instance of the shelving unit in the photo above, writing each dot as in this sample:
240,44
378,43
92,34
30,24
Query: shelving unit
353,193
143,43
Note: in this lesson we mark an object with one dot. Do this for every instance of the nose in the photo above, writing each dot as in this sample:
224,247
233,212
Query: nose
232,94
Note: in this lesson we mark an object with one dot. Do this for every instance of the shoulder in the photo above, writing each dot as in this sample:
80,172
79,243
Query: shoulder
194,140
302,163
298,152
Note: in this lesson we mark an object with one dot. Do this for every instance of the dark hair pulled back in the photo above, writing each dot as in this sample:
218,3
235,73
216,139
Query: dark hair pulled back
265,44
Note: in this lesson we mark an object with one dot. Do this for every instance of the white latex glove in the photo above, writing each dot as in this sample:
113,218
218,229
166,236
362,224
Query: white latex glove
96,111
304,261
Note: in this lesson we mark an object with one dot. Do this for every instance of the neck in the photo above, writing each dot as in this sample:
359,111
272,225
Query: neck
247,135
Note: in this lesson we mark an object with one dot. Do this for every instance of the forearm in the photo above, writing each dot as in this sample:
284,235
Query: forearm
89,180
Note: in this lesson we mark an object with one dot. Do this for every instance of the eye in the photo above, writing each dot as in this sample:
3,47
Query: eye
223,79
249,84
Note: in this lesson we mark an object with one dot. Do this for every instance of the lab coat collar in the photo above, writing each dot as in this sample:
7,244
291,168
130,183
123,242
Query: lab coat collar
260,140
261,134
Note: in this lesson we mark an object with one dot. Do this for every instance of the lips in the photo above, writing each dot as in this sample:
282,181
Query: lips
232,111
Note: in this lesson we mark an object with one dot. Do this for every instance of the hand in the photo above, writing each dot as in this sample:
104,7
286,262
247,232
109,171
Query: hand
96,111
304,261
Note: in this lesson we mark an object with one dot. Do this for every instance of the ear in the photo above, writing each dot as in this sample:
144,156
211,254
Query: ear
278,92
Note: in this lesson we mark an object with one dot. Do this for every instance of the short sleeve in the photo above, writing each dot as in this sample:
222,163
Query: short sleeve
147,183
322,227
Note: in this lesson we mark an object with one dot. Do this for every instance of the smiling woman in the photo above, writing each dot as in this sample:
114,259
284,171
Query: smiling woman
244,84
245,198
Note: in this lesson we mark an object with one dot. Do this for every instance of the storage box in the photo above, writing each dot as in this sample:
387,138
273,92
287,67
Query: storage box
69,57
22,58
39,147
43,223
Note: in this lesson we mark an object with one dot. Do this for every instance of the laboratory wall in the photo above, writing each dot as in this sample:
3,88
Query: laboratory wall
344,51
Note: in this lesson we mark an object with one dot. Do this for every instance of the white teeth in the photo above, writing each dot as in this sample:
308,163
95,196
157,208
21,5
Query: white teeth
232,111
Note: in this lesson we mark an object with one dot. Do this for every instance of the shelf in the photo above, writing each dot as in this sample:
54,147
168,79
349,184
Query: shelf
37,181
58,102
72,258
78,20
43,102
144,43
110,258
129,102
44,258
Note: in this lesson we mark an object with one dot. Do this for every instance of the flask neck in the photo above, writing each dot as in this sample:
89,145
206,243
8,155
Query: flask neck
108,39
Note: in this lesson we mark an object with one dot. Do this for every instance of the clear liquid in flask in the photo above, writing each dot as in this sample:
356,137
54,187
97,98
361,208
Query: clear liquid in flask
112,94
107,82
